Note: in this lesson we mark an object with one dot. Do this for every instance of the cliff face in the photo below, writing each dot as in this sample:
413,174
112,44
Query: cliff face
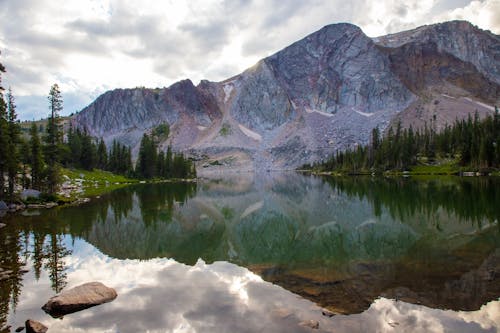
459,39
453,67
321,94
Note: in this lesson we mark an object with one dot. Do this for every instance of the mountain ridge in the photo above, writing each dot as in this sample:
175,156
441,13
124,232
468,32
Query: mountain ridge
321,94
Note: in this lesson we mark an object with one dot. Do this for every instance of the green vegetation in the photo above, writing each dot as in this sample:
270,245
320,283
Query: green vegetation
4,138
404,197
82,151
161,131
225,130
95,182
13,135
227,212
154,164
53,139
43,158
443,168
468,145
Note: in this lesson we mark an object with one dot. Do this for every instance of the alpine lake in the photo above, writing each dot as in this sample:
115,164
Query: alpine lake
271,252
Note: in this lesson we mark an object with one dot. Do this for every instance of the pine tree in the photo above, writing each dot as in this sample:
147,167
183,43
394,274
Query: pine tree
53,138
146,162
193,171
3,135
14,132
75,145
161,164
87,157
168,163
102,155
112,160
36,158
25,160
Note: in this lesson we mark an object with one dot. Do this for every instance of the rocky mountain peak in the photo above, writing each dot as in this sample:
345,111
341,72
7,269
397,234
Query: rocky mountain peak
321,94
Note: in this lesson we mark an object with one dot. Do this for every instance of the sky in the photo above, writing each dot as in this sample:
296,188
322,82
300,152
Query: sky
91,46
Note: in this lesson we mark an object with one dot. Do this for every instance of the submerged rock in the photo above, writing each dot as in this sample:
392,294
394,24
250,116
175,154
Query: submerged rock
79,298
33,326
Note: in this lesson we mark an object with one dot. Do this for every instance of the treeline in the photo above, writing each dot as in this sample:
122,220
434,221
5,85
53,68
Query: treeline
80,150
152,163
36,162
472,142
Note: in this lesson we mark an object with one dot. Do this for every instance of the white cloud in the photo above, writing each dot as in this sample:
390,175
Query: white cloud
92,46
485,14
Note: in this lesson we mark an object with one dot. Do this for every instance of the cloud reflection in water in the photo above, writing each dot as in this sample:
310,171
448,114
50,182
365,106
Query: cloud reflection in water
162,295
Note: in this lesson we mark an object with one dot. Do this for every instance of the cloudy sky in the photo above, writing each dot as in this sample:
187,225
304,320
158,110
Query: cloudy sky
90,46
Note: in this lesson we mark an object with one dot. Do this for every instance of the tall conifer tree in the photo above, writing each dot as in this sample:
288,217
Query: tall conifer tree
53,138
36,158
12,144
3,135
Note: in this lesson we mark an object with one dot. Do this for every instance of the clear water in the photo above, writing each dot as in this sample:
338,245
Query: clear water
263,253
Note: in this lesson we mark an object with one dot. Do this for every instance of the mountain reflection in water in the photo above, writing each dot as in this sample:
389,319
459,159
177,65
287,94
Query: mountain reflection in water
341,243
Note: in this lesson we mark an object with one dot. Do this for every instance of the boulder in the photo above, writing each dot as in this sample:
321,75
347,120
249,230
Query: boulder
3,206
79,298
30,193
33,326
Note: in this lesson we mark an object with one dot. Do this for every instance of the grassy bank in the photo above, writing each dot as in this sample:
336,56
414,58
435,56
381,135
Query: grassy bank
438,168
84,183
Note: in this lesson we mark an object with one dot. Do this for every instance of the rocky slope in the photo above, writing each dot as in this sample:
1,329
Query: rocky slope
321,94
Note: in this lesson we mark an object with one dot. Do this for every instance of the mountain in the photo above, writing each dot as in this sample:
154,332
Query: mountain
321,94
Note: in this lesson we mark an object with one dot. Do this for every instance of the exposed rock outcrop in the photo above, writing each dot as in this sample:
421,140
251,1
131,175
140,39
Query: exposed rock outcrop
321,94
79,298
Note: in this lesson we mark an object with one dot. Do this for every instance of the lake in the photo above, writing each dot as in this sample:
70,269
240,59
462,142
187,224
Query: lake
266,253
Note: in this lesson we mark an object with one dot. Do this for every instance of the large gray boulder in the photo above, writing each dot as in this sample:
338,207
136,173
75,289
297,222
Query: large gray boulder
79,298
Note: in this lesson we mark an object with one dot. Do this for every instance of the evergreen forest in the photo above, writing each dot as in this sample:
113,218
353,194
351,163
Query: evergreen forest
34,159
470,144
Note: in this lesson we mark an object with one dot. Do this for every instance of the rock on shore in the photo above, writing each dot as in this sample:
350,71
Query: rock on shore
33,326
79,298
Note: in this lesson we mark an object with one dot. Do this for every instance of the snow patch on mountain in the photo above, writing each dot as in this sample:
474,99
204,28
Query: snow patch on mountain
248,132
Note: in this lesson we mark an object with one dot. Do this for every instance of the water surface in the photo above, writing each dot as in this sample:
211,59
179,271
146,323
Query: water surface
265,252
